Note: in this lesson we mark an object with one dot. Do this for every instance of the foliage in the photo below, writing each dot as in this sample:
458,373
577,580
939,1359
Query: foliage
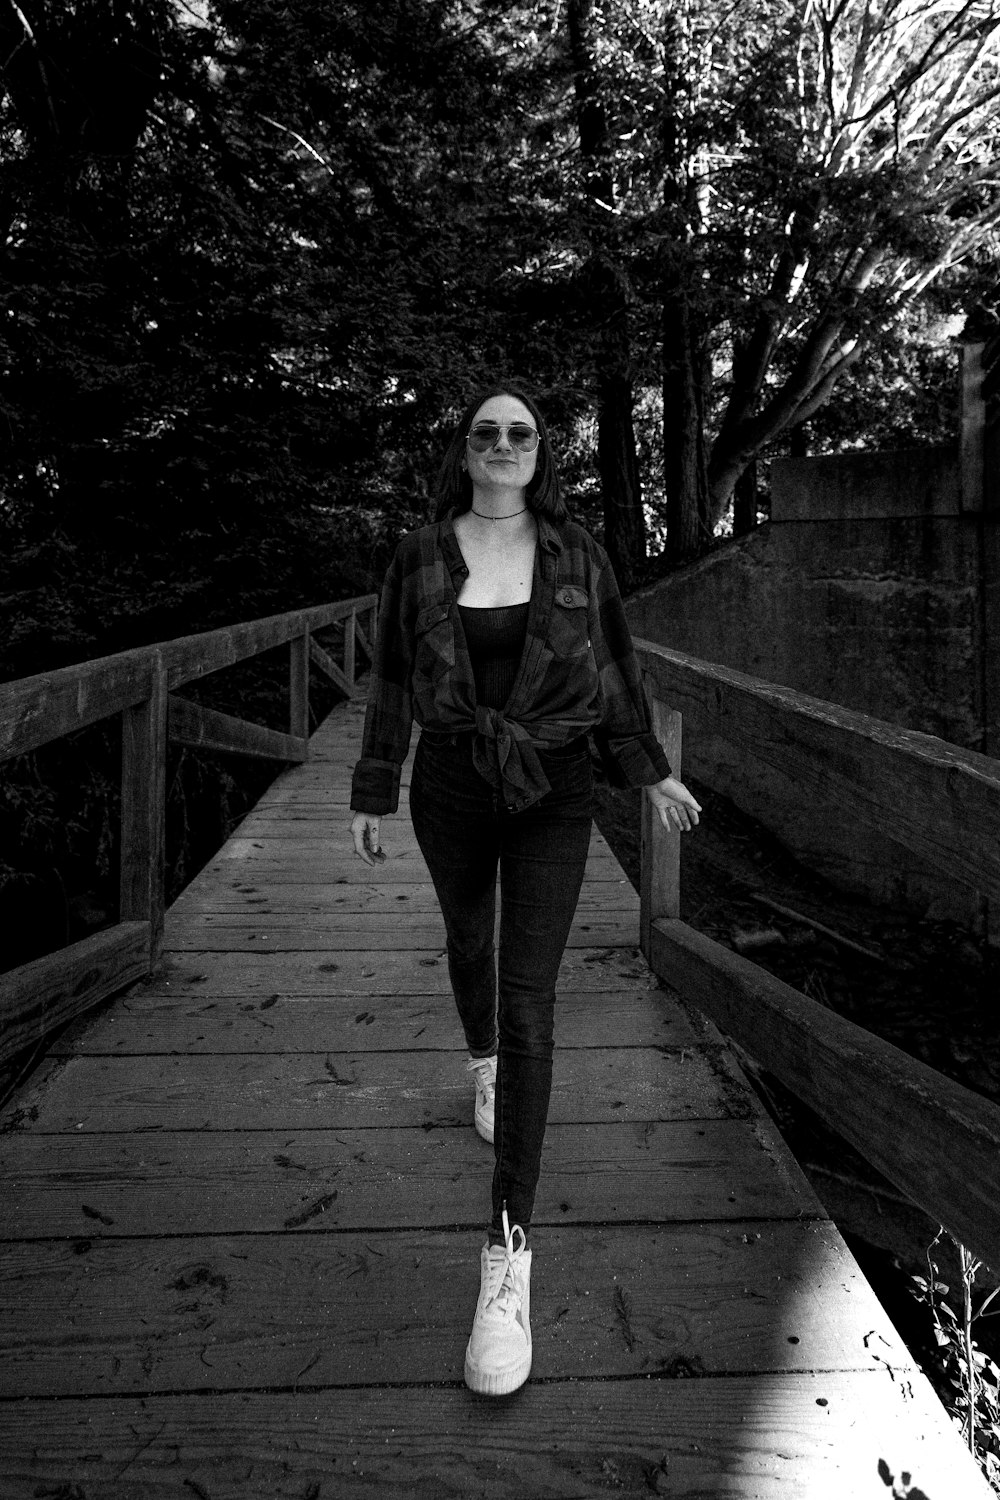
790,181
255,254
231,329
968,1380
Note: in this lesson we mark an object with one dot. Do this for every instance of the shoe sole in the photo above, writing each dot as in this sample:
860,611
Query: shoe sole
502,1383
486,1131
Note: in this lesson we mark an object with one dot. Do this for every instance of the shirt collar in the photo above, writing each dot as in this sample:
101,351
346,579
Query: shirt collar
548,537
451,551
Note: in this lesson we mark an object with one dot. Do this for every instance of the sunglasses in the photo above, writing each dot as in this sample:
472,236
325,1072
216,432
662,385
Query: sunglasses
486,435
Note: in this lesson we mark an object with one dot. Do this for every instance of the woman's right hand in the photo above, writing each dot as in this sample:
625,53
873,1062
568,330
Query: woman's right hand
365,831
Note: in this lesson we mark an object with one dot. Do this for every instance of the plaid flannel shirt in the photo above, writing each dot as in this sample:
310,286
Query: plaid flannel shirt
578,672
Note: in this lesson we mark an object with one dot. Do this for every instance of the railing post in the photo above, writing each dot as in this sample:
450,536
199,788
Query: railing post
298,686
349,647
144,772
660,883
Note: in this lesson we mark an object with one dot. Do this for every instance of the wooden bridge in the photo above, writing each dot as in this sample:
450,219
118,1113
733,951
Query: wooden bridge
244,1200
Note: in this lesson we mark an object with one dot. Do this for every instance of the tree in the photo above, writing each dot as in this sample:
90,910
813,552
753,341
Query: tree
782,180
860,159
243,287
607,290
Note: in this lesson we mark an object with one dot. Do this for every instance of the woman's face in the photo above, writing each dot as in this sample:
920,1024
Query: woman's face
501,466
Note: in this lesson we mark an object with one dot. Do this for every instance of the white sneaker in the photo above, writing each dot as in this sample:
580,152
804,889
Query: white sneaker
498,1358
484,1071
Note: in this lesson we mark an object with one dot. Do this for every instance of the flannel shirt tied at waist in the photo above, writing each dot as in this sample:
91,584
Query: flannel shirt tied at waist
506,755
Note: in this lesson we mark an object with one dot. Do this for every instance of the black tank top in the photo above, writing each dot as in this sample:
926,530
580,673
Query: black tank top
495,638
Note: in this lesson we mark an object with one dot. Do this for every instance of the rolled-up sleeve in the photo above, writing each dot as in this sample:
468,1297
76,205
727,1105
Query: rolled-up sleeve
629,749
389,715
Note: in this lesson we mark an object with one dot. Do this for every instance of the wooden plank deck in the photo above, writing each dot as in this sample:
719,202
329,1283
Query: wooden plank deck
244,1205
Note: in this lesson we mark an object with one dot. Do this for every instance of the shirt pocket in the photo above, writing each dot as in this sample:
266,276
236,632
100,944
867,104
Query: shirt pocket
435,641
569,632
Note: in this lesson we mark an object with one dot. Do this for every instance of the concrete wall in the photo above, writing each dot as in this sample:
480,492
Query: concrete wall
865,595
985,413
864,589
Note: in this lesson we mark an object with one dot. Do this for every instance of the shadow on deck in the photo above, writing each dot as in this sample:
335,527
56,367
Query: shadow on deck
245,1202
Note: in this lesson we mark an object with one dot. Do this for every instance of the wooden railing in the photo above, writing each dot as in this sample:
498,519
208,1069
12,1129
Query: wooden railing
938,1142
140,686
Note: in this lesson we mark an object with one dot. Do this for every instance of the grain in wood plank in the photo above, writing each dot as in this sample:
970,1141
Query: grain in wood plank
148,1023
319,774
326,854
337,973
209,934
778,1437
331,1090
258,1311
273,838
335,866
308,897
330,805
315,1182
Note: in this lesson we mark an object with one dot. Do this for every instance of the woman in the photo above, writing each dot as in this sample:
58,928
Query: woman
502,633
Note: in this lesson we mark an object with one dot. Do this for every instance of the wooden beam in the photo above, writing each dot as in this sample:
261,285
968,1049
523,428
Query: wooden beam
349,627
35,710
298,686
362,639
206,729
937,1141
41,995
839,782
198,655
660,878
326,664
144,756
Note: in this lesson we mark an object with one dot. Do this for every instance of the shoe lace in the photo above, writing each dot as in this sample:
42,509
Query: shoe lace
507,1274
483,1068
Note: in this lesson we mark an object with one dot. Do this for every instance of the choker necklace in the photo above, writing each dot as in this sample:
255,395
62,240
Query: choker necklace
484,517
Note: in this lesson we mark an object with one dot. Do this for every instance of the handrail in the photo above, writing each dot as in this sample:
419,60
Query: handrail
139,685
858,781
938,1142
36,710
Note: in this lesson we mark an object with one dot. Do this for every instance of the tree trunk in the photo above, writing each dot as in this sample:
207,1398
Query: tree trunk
745,501
685,477
617,459
618,463
685,370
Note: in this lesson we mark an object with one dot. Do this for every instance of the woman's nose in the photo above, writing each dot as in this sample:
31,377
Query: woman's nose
503,441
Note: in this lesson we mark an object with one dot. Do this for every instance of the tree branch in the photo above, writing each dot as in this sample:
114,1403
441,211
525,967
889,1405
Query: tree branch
42,70
302,142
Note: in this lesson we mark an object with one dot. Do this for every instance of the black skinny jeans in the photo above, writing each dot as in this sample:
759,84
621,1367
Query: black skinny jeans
465,832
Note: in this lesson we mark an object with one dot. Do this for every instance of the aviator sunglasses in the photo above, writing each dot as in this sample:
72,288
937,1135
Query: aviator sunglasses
486,435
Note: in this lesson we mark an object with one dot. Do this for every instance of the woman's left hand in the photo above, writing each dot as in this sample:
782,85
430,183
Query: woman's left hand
673,802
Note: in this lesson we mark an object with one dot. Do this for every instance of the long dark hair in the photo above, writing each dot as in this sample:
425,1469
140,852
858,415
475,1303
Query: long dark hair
454,487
